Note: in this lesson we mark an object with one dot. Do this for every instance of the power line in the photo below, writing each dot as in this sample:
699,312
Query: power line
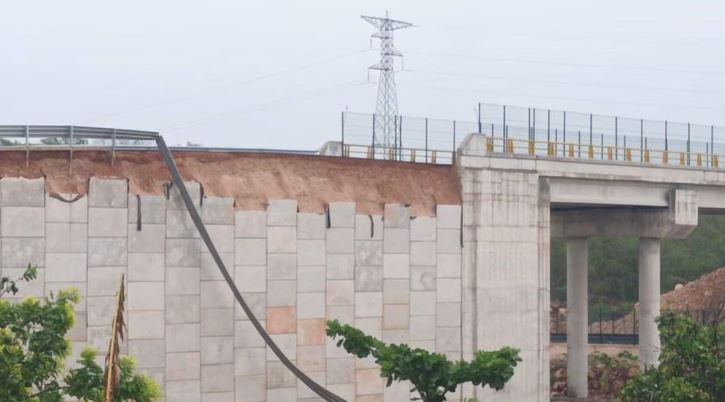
265,105
229,85
564,63
567,83
604,101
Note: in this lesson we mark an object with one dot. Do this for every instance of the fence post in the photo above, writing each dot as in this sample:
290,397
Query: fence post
479,117
579,144
70,160
342,130
27,146
453,155
641,139
533,126
548,125
504,123
634,326
712,143
688,144
373,140
426,140
113,147
591,127
400,138
563,135
666,142
616,138
396,156
601,334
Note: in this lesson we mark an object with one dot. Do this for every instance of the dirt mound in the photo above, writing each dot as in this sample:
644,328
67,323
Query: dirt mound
705,293
703,299
252,178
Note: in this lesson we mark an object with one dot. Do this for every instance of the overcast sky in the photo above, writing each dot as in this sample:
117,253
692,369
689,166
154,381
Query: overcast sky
277,73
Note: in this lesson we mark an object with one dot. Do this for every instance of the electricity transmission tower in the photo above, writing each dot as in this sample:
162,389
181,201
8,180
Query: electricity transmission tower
386,106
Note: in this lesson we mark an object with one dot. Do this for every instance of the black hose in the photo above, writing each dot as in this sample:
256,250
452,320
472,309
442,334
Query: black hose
179,182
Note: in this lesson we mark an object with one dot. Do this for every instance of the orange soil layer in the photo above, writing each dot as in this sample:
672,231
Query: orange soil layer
252,178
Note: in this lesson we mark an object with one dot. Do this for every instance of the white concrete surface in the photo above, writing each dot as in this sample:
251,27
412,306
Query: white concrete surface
577,316
649,300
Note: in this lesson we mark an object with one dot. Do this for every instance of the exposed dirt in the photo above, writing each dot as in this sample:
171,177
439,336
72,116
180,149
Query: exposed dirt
610,367
252,178
703,299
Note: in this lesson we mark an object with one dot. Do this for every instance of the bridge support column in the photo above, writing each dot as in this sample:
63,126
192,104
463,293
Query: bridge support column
577,316
649,301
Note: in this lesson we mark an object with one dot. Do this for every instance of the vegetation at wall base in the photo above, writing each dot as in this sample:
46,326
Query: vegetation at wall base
33,350
691,365
432,375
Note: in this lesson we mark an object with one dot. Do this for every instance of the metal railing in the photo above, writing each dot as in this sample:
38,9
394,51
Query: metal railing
71,138
600,137
600,152
541,133
415,139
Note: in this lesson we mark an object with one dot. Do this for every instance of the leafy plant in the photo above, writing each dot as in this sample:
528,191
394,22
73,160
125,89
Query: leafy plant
431,374
691,366
33,350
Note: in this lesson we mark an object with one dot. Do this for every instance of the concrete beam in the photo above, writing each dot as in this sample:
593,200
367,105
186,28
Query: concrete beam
676,221
607,192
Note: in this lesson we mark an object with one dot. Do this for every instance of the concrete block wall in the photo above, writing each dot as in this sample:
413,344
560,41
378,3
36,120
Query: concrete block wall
394,276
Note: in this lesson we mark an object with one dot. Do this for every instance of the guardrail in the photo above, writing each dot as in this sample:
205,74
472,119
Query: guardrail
600,152
16,137
415,155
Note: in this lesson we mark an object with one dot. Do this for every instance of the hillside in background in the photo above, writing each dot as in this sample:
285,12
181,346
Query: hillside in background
613,265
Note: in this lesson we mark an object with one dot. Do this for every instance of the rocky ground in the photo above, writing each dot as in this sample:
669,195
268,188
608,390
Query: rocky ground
610,367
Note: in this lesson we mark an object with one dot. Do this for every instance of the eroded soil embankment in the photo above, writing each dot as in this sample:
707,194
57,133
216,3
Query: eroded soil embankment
252,178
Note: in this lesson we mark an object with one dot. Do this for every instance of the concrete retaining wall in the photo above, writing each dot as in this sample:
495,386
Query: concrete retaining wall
394,276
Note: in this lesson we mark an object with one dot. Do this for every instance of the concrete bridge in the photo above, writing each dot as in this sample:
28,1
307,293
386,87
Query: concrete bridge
449,258
513,204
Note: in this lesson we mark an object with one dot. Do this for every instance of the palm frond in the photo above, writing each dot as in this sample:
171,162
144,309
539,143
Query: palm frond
112,373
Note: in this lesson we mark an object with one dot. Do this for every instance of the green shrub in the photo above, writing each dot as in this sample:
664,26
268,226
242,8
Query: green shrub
33,350
431,374
691,366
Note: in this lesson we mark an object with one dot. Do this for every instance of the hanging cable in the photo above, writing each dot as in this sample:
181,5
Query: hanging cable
178,181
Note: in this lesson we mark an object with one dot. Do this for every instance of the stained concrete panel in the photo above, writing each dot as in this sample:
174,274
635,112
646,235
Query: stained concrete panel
22,192
22,221
108,193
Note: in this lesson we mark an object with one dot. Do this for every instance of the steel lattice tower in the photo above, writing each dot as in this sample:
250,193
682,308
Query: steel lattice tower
386,106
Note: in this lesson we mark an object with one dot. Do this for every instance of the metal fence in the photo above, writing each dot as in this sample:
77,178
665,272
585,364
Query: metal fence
558,133
416,139
540,132
624,329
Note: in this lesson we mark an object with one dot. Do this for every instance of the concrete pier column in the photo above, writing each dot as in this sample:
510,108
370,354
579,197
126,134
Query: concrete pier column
649,301
577,316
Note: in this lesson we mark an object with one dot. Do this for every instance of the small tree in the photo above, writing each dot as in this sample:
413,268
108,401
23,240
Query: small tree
691,365
431,374
33,350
